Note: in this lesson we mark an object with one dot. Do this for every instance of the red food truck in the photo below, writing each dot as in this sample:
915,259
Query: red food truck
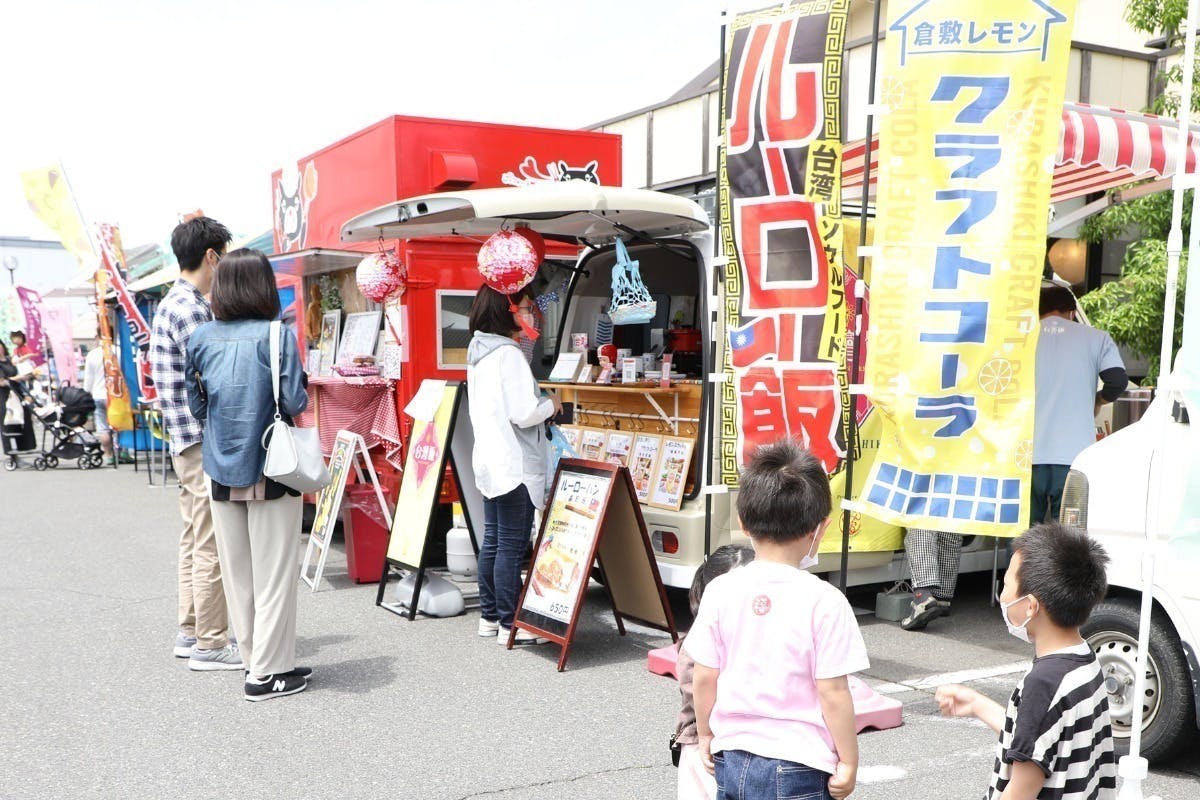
395,158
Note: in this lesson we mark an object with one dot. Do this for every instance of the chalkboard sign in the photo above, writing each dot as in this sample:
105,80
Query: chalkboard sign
593,517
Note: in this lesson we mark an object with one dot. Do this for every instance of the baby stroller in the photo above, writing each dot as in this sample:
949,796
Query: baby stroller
64,432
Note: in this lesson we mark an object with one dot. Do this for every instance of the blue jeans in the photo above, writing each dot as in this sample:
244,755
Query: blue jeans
507,520
745,776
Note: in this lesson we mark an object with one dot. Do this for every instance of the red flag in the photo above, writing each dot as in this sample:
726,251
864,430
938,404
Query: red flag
753,342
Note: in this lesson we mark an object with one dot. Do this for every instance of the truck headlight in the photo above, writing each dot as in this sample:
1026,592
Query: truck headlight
1073,510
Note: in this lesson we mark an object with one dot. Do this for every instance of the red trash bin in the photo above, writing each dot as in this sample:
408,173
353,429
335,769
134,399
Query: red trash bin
366,534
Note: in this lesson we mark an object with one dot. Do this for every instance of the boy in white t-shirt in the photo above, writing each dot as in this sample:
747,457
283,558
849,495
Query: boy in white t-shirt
773,646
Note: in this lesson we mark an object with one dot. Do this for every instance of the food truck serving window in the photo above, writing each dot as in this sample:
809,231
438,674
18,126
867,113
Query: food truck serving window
453,329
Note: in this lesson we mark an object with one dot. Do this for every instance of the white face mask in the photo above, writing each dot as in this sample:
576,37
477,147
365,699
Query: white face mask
1018,631
810,559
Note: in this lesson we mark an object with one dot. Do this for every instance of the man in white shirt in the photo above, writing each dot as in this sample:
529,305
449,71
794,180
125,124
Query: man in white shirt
1071,359
94,383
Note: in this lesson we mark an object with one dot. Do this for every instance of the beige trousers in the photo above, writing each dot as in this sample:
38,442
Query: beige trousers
260,548
202,611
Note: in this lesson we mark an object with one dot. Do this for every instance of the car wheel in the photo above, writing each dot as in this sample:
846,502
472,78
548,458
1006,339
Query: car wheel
1169,714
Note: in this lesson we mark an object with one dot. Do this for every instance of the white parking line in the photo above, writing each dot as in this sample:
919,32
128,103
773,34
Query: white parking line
961,676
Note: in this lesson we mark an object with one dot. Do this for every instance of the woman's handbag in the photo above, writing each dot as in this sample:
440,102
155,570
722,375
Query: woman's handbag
293,454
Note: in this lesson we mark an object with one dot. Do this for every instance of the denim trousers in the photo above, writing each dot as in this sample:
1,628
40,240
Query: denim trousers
745,776
507,520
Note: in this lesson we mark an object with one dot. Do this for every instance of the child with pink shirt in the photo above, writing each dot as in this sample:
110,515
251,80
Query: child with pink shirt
773,645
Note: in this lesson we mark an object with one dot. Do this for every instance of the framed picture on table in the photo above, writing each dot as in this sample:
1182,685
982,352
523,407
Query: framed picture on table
674,460
359,335
330,323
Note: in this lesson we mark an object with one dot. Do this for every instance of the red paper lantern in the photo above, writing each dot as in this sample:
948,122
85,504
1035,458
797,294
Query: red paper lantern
380,276
508,260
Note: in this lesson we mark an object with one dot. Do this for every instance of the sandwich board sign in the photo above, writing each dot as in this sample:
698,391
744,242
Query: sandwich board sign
593,517
345,449
434,411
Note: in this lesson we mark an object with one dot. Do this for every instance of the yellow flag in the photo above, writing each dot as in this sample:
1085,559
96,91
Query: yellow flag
120,412
973,94
49,197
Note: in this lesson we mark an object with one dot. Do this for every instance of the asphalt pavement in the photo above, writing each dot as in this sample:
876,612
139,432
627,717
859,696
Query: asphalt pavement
93,705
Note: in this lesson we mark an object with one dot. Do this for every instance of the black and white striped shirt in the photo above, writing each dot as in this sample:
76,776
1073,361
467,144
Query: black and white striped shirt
1057,718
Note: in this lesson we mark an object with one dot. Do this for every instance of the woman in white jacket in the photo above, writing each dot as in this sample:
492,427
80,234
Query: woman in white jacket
507,416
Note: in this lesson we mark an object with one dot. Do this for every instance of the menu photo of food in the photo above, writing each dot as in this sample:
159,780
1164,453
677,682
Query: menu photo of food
591,444
561,563
642,461
672,473
616,450
573,435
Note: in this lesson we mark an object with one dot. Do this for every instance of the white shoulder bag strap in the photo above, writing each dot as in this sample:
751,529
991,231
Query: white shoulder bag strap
276,356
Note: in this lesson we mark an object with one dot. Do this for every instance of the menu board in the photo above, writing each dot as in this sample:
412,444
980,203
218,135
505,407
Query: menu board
616,450
593,518
591,445
561,566
642,464
676,458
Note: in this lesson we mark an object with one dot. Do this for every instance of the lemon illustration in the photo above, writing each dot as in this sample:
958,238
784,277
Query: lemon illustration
892,93
996,376
1024,456
1020,123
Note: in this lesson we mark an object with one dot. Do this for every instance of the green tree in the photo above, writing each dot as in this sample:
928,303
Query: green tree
1131,308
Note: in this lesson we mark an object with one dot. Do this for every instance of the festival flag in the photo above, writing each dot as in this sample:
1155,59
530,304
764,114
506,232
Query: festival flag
56,326
112,262
785,312
31,309
49,197
972,92
120,409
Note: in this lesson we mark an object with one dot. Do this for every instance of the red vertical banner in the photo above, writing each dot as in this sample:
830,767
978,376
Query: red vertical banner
779,179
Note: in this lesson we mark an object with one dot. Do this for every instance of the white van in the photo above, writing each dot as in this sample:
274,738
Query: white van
1113,491
671,238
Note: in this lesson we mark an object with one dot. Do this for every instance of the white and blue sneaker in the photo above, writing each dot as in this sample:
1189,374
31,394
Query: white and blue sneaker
184,645
226,657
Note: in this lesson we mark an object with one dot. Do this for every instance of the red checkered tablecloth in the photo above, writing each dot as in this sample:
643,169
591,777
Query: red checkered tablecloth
366,406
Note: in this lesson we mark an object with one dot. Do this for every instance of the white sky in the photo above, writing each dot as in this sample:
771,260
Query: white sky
160,106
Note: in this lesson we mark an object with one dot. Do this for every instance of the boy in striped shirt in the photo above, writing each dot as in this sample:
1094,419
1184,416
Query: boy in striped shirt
1056,739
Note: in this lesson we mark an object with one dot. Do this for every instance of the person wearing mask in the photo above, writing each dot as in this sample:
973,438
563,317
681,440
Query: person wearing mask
203,636
508,417
229,389
95,384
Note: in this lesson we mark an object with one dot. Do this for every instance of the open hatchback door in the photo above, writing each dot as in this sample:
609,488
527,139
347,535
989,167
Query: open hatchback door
573,211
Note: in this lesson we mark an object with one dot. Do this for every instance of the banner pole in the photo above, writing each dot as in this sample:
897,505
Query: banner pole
859,293
714,313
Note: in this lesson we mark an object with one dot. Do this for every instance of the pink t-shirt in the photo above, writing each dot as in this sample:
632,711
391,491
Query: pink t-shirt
772,631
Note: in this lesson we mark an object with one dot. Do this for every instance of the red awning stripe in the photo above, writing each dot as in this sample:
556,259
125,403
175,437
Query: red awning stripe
1099,148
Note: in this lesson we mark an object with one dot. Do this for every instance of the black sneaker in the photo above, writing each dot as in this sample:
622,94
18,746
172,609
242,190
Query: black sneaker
922,614
274,686
299,672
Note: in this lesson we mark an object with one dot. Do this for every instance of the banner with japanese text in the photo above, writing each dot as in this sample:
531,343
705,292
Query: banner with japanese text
786,293
973,94
112,262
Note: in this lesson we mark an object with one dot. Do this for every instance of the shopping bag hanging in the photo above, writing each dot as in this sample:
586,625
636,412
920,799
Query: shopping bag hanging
631,302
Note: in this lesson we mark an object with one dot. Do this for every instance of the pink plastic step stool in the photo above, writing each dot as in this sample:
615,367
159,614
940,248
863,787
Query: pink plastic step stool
871,709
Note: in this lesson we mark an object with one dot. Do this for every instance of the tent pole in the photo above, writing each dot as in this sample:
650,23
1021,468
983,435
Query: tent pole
1133,767
860,286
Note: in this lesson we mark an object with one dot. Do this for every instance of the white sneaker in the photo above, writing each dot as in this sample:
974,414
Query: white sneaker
223,658
488,628
523,638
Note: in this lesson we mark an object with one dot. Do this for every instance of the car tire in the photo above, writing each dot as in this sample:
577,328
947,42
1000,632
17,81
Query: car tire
1170,712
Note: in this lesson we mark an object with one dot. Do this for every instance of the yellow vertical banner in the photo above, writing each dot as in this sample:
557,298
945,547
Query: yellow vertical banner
50,199
973,94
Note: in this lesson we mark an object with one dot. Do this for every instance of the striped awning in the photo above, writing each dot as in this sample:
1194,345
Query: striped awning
1098,148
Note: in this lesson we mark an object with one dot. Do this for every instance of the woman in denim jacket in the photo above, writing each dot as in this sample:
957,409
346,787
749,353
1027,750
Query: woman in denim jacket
257,520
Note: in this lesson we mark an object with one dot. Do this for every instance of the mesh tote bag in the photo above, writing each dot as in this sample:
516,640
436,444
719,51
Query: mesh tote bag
631,302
